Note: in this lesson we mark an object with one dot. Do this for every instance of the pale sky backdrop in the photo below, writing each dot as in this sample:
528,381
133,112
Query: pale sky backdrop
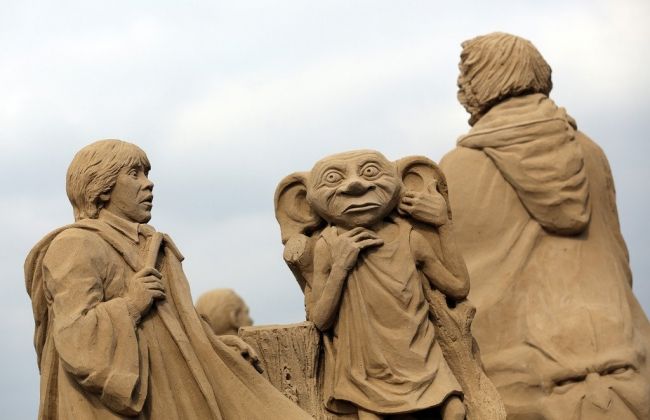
227,97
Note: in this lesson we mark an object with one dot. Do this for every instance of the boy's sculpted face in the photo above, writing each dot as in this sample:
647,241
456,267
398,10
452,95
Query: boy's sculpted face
131,197
354,189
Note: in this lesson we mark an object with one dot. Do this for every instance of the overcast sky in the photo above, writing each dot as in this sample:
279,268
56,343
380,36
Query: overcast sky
229,97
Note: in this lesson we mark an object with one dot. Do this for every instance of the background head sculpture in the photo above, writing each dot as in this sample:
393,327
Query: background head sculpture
497,66
224,310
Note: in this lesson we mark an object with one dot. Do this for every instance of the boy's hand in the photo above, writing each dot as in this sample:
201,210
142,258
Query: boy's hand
429,207
345,247
142,289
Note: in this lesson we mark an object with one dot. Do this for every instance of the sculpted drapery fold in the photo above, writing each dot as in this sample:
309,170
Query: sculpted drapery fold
109,362
536,151
98,364
536,219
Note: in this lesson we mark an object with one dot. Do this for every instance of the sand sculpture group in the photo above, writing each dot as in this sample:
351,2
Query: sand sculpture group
523,210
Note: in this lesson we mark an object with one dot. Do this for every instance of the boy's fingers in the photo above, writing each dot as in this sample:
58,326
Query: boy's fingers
155,286
157,294
148,271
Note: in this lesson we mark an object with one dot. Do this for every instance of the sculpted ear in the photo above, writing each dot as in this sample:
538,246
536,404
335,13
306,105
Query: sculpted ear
421,174
293,212
298,225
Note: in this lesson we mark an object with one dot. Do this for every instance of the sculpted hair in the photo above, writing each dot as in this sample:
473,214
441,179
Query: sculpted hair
497,66
93,171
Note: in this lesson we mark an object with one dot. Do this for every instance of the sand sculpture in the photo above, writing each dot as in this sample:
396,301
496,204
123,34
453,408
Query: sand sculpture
385,287
224,310
117,334
561,334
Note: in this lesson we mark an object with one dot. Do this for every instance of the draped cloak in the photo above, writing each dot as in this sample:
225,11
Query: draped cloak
382,352
95,363
536,220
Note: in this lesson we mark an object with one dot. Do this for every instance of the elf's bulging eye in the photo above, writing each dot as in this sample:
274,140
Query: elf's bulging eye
370,171
332,177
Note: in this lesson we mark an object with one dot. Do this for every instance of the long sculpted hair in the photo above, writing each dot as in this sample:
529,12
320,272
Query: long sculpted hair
498,66
93,172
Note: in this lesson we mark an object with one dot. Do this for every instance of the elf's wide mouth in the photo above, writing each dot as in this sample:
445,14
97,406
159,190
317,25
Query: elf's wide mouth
361,207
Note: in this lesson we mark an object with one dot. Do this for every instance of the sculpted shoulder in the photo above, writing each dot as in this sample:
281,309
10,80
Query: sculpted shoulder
461,159
589,146
77,243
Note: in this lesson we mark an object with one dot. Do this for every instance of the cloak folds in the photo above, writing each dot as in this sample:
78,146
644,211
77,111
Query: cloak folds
382,353
95,363
532,143
536,220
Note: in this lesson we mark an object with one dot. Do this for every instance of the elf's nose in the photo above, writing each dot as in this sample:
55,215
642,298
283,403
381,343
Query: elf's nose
357,187
597,393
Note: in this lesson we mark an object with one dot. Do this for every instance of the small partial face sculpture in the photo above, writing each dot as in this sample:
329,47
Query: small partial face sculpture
353,189
241,316
609,385
132,196
611,390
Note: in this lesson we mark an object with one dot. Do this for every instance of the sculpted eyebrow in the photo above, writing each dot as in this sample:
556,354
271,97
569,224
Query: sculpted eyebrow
373,160
339,166
134,165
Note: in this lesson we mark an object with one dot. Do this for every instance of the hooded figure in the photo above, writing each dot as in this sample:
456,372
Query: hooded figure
561,333
116,333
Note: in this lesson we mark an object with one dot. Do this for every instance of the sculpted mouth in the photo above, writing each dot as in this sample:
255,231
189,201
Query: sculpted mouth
148,200
352,208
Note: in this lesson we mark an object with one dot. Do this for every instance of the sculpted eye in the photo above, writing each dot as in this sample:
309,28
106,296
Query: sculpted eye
564,384
332,177
616,370
370,171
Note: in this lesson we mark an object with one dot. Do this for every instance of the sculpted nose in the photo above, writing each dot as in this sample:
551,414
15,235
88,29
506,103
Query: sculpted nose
356,187
597,393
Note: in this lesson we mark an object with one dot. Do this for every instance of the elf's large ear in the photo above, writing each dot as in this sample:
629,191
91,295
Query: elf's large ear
421,174
293,212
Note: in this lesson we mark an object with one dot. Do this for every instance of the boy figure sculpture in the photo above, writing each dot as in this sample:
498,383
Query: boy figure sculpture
116,332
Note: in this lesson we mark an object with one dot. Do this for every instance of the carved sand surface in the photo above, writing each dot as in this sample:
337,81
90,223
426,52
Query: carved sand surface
560,331
370,242
549,329
117,334
290,355
224,311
